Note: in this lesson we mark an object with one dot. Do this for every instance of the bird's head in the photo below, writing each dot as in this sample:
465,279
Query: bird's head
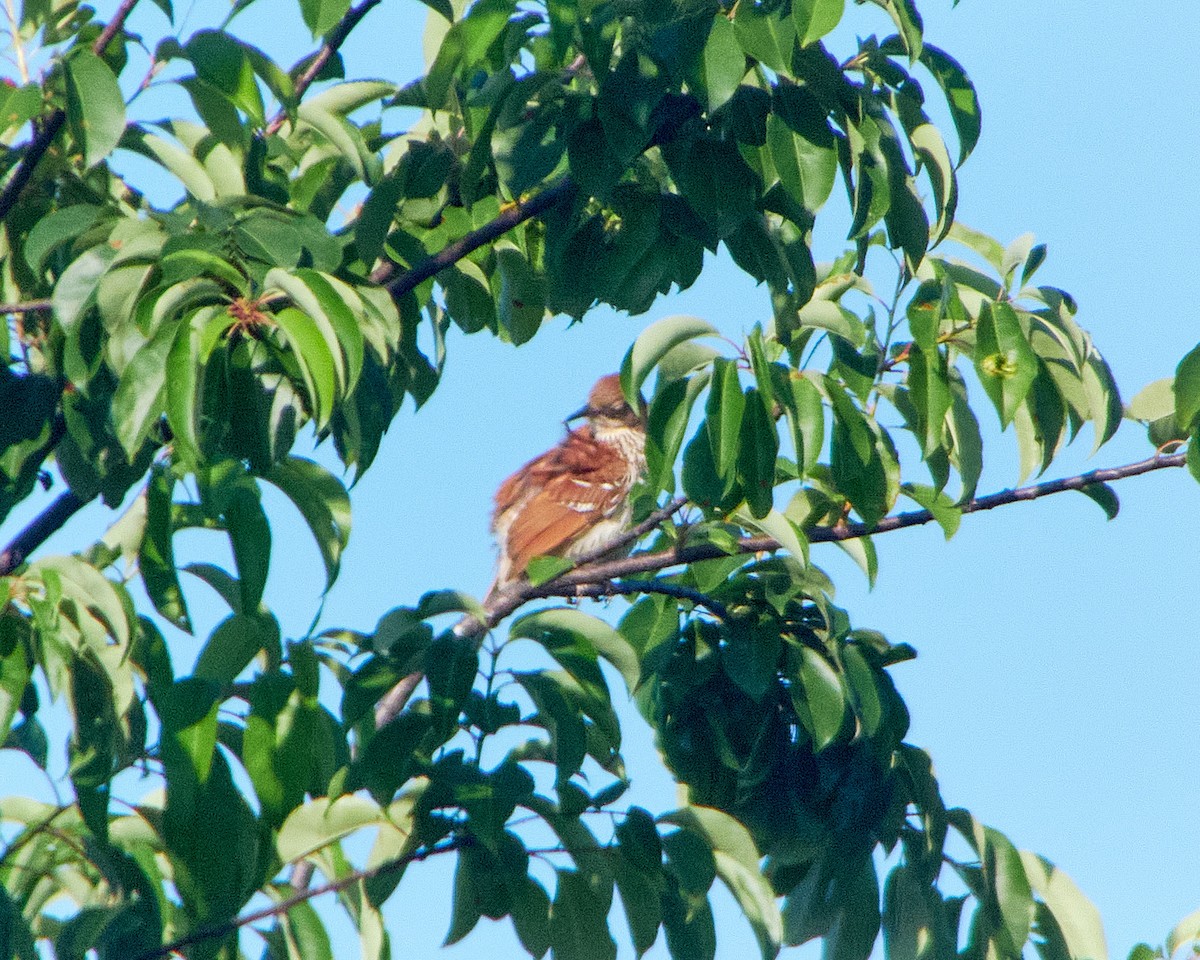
607,406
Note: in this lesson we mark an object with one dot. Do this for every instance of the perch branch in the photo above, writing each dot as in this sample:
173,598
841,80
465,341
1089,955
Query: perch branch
217,931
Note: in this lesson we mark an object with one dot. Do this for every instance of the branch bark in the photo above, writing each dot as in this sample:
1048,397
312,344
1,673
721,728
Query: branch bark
333,41
604,578
217,931
39,530
400,283
27,306
53,124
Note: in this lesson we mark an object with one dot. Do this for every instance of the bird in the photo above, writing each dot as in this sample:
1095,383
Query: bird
573,500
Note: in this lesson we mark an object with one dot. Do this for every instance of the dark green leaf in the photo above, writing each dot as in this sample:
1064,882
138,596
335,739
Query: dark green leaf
322,501
1187,390
579,919
1105,496
819,699
95,107
156,558
724,63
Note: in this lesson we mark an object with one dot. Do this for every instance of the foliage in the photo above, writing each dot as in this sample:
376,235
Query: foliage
167,360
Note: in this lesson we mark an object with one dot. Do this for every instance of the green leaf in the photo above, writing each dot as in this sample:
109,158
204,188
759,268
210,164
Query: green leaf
723,415
57,228
1193,453
14,676
224,68
579,919
737,863
1006,878
1153,402
833,317
344,137
756,458
1105,496
690,859
324,504
520,293
908,22
806,167
138,401
1075,915
960,97
316,295
234,643
95,107
724,63
531,916
317,365
1184,933
779,528
1187,390
181,164
815,18
156,557
863,467
320,16
194,343
315,825
941,507
818,698
541,570
1004,361
766,34
562,626
654,343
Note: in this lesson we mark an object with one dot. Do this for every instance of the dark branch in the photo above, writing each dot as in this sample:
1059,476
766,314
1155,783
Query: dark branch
511,217
616,588
597,579
114,26
39,530
217,931
333,41
654,562
28,306
53,124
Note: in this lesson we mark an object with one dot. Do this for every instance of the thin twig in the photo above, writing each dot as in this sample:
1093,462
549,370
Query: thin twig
27,306
220,930
661,560
616,588
518,213
333,40
39,530
50,128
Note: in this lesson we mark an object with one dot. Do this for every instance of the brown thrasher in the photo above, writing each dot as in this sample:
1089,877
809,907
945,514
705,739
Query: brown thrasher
574,498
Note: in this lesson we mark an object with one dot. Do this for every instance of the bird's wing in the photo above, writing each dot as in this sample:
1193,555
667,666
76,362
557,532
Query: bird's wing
568,489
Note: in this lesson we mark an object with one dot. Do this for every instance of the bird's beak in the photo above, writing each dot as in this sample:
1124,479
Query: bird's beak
577,415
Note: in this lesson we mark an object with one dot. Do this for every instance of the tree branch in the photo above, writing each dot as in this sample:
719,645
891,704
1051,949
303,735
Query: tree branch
50,128
28,306
653,562
220,930
597,579
518,213
39,530
333,41
616,588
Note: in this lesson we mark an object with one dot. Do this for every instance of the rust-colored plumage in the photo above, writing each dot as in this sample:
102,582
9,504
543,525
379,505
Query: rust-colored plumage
574,498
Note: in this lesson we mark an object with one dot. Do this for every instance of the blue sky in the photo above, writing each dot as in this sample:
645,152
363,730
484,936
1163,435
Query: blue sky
1057,652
